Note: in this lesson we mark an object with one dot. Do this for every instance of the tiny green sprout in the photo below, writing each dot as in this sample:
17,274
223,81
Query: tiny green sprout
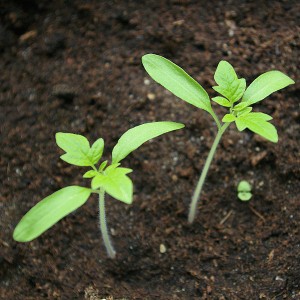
234,96
111,179
244,190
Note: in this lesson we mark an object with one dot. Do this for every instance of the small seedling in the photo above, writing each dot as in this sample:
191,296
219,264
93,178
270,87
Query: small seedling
234,96
244,190
111,179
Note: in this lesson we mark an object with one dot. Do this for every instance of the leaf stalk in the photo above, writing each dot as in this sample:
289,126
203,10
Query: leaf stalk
215,117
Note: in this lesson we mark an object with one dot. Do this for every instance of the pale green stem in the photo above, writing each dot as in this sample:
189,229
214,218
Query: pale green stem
197,192
103,226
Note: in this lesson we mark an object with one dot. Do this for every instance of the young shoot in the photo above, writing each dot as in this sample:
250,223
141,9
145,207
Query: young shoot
244,190
233,95
111,179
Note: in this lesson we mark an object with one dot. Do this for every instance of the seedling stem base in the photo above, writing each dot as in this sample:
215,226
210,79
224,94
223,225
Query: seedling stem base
197,192
103,226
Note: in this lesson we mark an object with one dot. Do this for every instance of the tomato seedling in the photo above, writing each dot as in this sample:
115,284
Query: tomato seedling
234,96
111,179
244,190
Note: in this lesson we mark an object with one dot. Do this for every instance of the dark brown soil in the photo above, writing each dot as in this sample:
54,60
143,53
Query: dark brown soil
75,66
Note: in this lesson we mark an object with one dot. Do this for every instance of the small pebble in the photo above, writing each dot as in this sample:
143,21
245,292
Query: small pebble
151,96
162,248
174,177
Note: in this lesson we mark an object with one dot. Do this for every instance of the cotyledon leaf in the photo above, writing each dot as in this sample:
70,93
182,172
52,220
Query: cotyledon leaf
49,211
176,80
135,137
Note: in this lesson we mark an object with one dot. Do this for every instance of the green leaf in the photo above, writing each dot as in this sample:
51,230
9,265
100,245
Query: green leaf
240,106
96,150
260,115
77,149
258,123
109,172
234,91
225,73
222,101
120,171
228,118
240,125
90,174
244,190
176,80
96,181
245,111
116,184
244,186
49,211
266,84
135,137
244,196
103,165
112,167
228,83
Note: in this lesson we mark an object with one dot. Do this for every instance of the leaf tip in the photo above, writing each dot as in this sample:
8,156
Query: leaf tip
20,235
147,57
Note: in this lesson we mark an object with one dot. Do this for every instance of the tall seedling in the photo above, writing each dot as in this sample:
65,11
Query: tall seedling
234,96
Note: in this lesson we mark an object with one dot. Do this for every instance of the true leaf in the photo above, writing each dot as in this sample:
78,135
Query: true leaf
240,106
109,172
49,211
225,73
112,167
96,150
228,118
233,91
90,174
240,125
260,115
222,101
135,137
266,84
176,80
119,171
77,149
228,83
103,165
257,122
97,180
116,184
245,111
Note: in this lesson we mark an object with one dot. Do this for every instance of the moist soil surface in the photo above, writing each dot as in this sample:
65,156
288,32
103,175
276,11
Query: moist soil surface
75,66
